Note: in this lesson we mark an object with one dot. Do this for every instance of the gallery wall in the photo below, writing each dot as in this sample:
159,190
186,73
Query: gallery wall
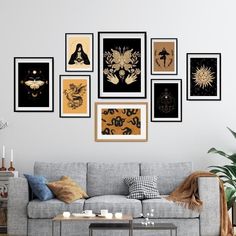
31,28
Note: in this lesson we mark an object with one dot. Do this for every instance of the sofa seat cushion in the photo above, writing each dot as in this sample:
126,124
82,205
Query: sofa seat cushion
114,203
48,209
166,209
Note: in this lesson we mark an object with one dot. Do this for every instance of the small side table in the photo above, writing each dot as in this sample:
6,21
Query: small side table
4,178
124,226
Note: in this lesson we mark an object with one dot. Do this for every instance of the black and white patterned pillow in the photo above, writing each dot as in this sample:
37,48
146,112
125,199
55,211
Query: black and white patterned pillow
142,187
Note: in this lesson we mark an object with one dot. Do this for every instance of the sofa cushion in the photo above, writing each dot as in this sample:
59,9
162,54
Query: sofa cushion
39,187
108,178
166,209
114,203
48,209
67,190
54,171
170,175
142,187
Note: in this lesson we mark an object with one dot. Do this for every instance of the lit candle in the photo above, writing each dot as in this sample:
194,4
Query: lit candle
11,155
3,151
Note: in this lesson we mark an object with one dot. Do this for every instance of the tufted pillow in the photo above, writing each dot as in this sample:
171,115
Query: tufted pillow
39,187
142,187
67,190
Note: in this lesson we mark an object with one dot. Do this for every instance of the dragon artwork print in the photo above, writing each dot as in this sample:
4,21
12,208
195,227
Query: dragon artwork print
121,121
74,95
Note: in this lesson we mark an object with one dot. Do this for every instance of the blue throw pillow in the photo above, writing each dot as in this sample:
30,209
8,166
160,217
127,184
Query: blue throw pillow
39,187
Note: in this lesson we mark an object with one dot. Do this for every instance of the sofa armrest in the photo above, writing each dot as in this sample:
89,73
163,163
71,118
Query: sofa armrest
18,198
209,193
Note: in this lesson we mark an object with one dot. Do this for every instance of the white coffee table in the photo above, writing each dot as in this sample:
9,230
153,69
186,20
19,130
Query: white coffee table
125,218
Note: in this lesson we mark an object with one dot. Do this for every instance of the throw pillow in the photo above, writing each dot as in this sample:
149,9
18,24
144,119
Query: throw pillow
142,187
67,190
39,187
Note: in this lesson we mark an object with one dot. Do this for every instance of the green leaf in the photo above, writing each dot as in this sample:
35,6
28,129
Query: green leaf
230,182
232,170
232,132
213,150
221,169
232,158
230,196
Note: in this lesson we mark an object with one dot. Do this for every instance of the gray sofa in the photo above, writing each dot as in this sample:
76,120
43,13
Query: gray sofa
104,183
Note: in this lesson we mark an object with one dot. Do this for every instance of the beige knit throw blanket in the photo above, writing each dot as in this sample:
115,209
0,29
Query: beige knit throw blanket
187,194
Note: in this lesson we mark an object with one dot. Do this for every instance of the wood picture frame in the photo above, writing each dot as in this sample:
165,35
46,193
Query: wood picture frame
121,122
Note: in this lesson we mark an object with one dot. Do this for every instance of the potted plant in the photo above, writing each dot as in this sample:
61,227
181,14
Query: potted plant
227,173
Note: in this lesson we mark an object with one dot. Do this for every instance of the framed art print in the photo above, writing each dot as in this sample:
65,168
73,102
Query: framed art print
164,56
79,52
166,100
120,122
121,64
33,84
203,76
75,96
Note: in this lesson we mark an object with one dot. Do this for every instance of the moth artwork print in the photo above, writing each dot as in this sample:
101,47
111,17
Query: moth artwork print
166,97
33,84
79,52
121,122
164,56
204,76
75,96
122,58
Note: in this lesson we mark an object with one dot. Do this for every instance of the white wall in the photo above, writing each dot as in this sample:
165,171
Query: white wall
36,28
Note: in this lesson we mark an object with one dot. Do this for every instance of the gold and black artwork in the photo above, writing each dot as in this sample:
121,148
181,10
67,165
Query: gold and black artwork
33,84
75,96
122,64
79,52
166,100
203,72
121,121
164,56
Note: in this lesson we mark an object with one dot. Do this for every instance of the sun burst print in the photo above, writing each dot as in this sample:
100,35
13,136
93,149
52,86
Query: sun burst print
203,77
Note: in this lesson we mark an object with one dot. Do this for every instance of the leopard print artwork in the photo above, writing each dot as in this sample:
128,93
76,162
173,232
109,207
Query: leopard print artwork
121,121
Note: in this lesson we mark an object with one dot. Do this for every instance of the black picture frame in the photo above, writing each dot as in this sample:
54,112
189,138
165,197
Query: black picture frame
71,45
33,84
71,77
121,42
166,100
209,87
173,56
